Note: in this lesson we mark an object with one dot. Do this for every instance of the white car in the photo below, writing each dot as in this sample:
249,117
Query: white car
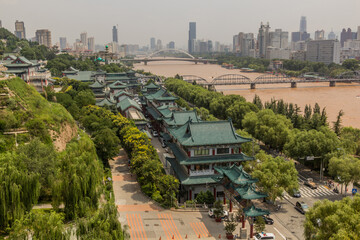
224,215
264,236
155,133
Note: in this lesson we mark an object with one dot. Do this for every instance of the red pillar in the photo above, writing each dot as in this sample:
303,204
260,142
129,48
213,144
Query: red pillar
230,205
190,195
243,221
251,230
215,193
224,199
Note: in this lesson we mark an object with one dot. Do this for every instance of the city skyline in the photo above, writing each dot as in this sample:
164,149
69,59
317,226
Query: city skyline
161,23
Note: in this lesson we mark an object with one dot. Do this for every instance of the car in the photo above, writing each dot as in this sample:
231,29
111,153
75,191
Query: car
296,193
149,125
155,133
267,220
263,236
225,213
301,207
310,183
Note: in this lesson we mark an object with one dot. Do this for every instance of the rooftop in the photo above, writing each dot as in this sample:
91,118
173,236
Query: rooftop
178,118
126,103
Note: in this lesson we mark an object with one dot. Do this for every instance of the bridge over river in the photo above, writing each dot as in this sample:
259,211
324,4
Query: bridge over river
238,79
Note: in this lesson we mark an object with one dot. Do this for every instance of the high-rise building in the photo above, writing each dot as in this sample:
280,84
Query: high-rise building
303,24
325,51
331,35
299,36
91,44
63,43
43,37
263,39
83,38
152,43
320,35
20,29
192,37
115,34
358,33
172,45
158,44
0,24
279,39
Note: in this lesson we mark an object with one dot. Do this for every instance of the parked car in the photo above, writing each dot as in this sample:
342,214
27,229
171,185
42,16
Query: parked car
263,236
310,183
296,193
155,133
225,213
149,125
301,207
267,220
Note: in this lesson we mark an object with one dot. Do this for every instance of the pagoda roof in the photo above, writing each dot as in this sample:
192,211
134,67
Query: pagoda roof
236,174
160,93
193,180
118,85
184,159
122,93
207,133
178,118
96,84
248,192
165,111
126,103
83,76
166,98
153,113
105,102
255,212
152,86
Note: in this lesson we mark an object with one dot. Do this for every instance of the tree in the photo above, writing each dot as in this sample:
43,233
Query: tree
350,140
85,98
328,220
218,209
259,224
275,175
337,123
106,143
345,169
41,225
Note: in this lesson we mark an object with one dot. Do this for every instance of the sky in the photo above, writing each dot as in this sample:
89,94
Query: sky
168,20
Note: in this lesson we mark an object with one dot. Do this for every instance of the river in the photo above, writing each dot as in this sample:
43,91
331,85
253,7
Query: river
344,97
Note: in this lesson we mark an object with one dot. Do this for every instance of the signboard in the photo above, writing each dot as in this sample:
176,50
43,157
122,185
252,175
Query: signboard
310,158
354,191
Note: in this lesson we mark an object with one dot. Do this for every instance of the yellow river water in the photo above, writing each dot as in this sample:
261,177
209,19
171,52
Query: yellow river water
344,97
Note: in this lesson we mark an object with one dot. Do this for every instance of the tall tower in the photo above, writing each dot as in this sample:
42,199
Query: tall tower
192,36
358,33
115,34
152,43
263,39
43,37
83,38
62,43
20,29
91,44
303,24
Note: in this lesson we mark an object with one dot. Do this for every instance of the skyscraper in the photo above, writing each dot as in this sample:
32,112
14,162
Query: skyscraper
320,35
158,44
345,35
0,24
331,35
152,43
62,43
303,24
172,45
43,37
325,51
192,36
115,34
20,30
358,33
83,38
263,39
91,44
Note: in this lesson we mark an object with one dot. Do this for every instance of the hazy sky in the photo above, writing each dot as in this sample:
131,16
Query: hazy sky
168,20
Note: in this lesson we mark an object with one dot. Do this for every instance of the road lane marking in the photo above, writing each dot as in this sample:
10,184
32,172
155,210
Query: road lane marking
192,226
164,228
141,229
142,226
207,233
175,227
280,233
171,231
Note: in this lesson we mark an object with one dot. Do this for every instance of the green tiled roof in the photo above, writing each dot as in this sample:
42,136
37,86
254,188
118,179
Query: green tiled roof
96,84
186,180
157,94
165,111
105,102
170,98
123,93
179,118
249,192
152,86
185,160
207,133
255,212
83,76
126,103
15,71
236,174
118,85
153,113
119,78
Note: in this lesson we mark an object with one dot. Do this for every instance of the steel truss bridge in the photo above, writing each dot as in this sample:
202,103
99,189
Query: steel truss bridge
149,58
238,79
